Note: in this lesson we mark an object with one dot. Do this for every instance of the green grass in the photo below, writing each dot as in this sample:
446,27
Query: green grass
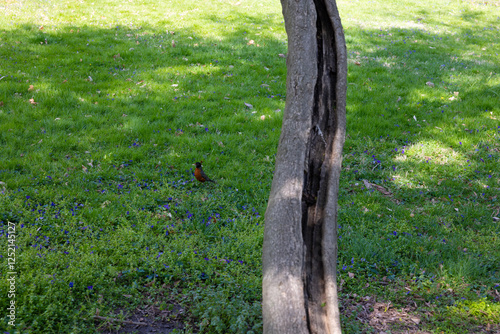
98,173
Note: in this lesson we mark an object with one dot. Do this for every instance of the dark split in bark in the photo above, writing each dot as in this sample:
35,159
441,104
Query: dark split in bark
315,190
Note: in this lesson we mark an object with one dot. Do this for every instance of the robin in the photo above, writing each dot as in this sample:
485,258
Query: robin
200,175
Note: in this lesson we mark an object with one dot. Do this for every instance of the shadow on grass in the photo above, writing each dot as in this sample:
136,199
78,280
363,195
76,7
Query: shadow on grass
128,86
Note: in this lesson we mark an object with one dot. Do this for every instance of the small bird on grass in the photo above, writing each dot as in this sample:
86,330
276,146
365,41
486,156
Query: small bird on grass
200,175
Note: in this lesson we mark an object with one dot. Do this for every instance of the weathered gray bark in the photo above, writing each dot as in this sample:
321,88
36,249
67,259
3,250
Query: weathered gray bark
300,237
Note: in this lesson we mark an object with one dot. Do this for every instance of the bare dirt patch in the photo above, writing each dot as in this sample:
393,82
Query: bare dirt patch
147,319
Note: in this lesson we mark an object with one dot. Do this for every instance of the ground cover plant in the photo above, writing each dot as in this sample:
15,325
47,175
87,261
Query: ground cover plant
105,106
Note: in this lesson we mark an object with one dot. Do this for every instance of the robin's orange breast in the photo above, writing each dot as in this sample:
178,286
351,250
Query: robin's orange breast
198,176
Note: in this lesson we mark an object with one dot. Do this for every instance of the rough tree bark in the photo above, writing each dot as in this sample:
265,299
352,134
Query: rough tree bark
300,237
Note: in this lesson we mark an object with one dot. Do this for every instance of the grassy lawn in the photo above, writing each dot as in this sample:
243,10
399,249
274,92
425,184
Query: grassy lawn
105,106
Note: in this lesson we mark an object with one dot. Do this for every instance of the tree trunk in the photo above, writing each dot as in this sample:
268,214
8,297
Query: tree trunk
300,237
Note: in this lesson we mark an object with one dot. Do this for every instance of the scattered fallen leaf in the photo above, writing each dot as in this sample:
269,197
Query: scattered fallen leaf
263,117
351,275
32,101
357,63
381,189
281,55
31,88
251,42
430,84
249,105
